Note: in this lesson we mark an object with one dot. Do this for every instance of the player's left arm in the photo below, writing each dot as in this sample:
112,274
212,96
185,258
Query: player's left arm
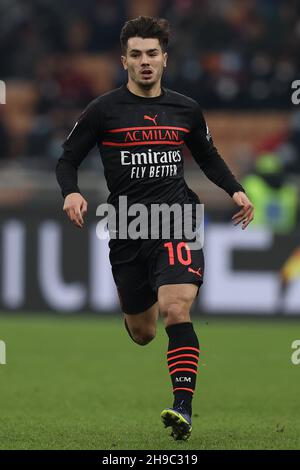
201,146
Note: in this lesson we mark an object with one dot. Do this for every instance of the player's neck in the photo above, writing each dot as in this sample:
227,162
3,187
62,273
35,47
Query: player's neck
151,93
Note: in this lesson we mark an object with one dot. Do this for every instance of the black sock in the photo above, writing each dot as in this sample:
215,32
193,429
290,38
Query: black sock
183,354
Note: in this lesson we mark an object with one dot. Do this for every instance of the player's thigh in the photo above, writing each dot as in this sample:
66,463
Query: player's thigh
135,292
175,301
177,274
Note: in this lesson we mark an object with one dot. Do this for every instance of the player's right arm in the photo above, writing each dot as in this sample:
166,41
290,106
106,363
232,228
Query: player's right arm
79,142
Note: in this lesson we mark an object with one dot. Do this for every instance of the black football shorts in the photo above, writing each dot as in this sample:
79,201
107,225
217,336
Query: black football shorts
140,267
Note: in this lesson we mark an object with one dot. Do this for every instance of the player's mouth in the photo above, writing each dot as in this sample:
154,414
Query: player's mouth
147,73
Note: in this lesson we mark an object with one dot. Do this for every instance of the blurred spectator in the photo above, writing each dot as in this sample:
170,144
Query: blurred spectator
244,51
232,54
289,272
227,54
3,139
274,198
50,130
293,145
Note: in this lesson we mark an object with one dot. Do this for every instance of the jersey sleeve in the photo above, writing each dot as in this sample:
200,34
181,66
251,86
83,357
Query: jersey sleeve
82,138
201,146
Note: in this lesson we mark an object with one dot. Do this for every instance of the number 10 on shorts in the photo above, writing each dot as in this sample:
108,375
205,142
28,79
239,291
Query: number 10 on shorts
183,253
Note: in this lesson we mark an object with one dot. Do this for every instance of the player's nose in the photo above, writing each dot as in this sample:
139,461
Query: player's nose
144,60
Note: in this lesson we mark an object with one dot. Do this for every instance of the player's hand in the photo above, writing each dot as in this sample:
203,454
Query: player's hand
246,214
75,207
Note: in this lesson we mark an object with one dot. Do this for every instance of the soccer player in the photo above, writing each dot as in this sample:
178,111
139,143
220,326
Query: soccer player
140,129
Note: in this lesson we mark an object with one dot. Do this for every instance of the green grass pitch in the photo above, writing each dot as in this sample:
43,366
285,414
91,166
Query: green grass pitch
80,383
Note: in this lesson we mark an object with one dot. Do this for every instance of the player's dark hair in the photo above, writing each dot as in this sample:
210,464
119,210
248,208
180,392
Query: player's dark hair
145,27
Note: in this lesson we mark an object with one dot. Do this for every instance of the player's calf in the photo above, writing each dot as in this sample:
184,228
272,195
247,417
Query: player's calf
175,302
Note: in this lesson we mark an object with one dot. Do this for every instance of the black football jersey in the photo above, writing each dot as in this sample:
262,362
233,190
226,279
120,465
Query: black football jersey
141,141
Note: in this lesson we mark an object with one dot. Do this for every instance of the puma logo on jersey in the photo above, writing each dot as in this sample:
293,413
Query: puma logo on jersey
151,118
198,272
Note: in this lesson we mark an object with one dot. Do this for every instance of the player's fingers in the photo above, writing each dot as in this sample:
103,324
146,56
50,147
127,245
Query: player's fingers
78,216
68,211
239,218
238,215
84,208
71,214
246,222
243,215
242,218
249,212
248,219
249,216
74,218
241,212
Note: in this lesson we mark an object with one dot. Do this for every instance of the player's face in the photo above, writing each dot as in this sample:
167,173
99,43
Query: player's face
145,61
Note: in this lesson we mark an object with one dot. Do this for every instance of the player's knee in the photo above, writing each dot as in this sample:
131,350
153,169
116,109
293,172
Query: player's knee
175,311
142,336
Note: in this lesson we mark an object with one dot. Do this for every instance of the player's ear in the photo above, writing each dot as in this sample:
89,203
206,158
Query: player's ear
124,62
165,58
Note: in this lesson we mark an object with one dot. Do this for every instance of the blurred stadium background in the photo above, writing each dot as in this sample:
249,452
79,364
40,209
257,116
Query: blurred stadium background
238,58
